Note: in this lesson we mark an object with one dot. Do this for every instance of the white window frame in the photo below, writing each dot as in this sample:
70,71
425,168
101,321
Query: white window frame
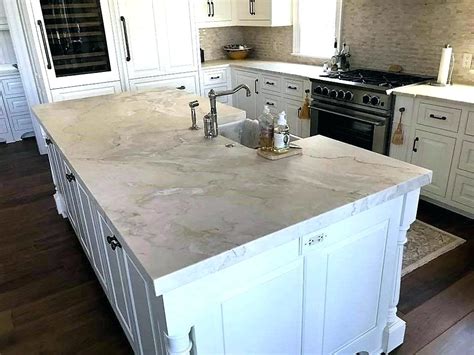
297,29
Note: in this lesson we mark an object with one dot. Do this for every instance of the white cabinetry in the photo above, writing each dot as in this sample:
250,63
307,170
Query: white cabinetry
220,13
434,152
81,92
439,135
143,37
188,82
218,79
3,18
15,117
214,13
123,282
158,37
280,93
248,104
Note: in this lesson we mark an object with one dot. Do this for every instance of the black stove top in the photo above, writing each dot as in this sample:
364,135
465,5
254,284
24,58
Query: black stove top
376,78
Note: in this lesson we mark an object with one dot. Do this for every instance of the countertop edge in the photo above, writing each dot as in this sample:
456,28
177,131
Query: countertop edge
260,245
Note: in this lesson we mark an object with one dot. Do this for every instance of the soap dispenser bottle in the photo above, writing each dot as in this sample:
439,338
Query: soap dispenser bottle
281,135
265,121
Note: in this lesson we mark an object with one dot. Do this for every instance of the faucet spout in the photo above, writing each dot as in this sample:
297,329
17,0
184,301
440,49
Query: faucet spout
210,121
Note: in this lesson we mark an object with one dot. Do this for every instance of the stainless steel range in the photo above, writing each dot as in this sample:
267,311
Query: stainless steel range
354,106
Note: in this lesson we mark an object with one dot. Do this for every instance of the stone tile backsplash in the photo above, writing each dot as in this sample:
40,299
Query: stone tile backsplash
380,32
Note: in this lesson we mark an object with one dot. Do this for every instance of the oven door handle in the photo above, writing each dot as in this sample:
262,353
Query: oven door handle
365,120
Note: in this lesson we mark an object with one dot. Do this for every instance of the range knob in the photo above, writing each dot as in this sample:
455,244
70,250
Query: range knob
366,99
375,100
333,94
325,91
318,90
340,94
348,96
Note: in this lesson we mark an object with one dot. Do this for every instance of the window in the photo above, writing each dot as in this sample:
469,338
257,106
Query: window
316,25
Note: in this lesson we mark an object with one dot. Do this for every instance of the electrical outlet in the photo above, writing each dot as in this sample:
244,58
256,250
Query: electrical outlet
467,60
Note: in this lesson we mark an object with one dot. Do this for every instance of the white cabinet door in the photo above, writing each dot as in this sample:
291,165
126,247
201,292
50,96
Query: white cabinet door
434,152
142,37
345,271
118,279
181,47
273,102
292,109
248,104
254,10
3,17
214,13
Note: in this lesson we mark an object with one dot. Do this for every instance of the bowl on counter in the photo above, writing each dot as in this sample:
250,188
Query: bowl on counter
237,51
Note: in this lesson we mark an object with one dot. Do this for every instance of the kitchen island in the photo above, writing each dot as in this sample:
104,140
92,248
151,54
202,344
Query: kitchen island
203,246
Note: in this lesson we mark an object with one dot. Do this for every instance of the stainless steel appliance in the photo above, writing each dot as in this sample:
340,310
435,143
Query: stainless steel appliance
354,107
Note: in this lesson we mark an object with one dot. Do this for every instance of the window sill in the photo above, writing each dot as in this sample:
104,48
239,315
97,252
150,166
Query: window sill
310,57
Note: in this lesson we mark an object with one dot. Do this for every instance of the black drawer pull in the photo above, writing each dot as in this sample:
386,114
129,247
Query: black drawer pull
270,83
182,87
292,87
128,57
45,45
209,9
415,149
215,77
270,103
256,91
114,243
70,177
442,118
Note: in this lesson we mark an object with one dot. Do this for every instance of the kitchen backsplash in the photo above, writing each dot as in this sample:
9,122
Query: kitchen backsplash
380,32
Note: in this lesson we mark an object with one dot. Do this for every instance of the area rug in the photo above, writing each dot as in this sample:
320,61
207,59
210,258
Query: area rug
426,243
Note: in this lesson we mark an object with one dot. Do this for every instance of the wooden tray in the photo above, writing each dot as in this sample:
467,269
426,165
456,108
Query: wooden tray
275,156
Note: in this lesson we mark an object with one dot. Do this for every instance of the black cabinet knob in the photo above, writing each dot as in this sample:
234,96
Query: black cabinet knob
113,242
70,177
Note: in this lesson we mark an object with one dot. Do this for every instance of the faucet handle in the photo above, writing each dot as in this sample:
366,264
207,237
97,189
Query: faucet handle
194,103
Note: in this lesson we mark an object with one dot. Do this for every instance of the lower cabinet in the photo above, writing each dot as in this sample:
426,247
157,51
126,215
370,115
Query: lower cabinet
240,99
123,282
435,152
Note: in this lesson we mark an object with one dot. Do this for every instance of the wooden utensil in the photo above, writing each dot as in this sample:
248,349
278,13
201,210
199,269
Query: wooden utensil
397,138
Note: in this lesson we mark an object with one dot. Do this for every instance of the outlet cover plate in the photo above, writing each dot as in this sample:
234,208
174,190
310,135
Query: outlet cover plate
467,60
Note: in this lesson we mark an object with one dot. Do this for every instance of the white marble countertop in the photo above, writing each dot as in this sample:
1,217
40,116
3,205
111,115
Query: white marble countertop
302,70
463,94
6,69
186,206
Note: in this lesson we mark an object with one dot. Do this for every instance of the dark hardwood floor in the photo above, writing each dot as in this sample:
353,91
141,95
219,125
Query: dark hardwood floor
49,294
52,303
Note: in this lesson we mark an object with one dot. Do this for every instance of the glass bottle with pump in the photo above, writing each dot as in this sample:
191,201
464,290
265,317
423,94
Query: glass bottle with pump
281,135
265,121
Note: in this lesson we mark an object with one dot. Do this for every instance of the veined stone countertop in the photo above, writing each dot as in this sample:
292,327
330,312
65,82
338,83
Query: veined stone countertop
463,94
187,206
303,70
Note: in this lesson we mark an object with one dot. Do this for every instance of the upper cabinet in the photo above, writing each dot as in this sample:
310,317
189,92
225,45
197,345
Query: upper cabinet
214,13
75,42
142,37
221,13
159,37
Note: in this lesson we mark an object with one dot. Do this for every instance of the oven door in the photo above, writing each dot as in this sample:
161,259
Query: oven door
362,129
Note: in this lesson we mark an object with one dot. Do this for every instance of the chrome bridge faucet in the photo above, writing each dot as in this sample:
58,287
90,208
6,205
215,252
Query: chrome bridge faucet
210,120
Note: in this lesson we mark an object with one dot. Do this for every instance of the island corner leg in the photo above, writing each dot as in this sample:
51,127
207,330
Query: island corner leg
178,344
394,332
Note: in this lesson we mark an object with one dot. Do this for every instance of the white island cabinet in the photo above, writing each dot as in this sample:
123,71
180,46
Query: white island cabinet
205,249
